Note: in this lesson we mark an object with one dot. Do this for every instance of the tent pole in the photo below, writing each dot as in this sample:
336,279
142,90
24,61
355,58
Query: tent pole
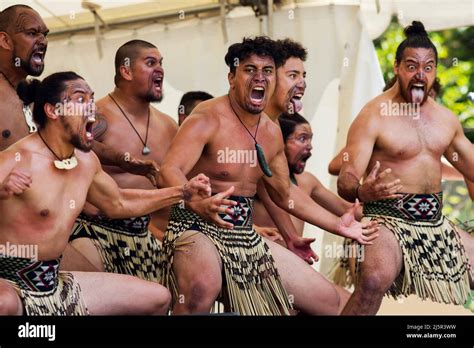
223,21
270,18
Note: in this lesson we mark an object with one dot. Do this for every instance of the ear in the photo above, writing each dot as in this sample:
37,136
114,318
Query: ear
395,67
51,111
5,41
126,72
231,78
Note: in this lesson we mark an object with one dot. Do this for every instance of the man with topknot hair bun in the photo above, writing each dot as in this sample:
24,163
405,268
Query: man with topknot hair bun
396,143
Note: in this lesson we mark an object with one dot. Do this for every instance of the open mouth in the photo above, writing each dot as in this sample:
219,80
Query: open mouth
257,94
89,129
158,82
301,163
417,91
296,102
38,57
306,157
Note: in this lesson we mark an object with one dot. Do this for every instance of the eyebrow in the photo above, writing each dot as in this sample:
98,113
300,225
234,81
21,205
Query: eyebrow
38,29
154,58
83,91
305,133
416,61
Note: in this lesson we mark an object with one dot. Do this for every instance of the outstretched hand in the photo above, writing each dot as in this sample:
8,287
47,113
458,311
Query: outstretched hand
17,182
364,233
146,168
270,233
302,247
374,189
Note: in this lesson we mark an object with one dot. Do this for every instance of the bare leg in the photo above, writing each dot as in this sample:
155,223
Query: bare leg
75,259
468,244
119,294
82,255
198,269
344,297
381,265
310,291
10,302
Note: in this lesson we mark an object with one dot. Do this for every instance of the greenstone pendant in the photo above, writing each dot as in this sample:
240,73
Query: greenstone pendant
262,161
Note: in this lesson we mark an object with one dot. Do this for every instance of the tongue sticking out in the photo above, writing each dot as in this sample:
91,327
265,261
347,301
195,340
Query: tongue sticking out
297,104
417,95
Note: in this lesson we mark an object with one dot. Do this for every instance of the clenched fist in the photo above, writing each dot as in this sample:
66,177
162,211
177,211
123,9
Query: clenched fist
15,183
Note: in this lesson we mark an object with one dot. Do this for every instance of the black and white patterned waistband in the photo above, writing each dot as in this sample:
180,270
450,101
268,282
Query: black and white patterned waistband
243,212
27,274
424,207
138,225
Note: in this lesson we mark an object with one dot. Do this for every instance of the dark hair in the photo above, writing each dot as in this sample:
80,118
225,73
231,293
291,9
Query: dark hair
289,122
261,46
436,86
289,48
190,97
8,15
44,92
128,50
416,36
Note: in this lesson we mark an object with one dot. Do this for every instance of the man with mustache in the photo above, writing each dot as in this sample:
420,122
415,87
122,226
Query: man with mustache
23,45
129,124
297,135
418,251
210,245
45,180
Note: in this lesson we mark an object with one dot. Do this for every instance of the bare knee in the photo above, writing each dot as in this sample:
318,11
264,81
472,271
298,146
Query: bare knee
374,284
162,303
10,303
200,295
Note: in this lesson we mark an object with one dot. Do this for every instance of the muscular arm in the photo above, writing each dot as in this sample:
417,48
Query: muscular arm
360,143
292,199
460,152
109,156
186,149
124,203
280,217
106,154
327,199
335,165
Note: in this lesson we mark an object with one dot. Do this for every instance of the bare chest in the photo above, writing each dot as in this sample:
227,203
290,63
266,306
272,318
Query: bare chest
407,138
232,155
136,141
13,126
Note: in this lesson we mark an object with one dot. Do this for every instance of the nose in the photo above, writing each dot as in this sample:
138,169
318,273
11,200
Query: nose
420,74
309,146
42,41
301,83
258,77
